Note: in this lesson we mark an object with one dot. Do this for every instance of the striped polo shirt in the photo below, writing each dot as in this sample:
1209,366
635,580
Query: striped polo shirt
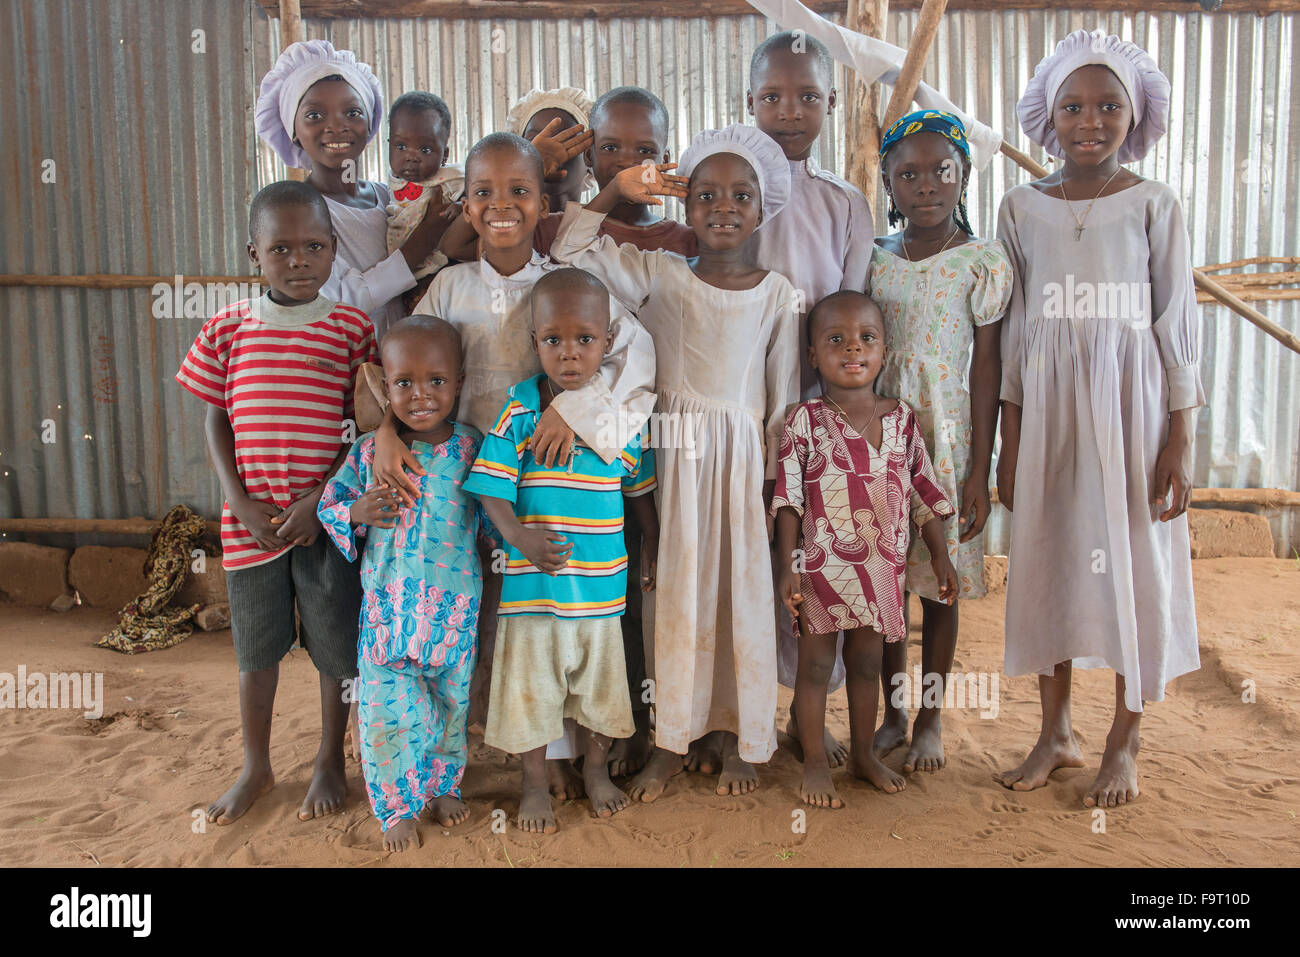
284,376
583,501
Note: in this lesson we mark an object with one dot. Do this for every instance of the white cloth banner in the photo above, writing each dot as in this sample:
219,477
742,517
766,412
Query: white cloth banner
877,60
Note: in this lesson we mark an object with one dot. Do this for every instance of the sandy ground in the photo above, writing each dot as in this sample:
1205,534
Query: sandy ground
1220,779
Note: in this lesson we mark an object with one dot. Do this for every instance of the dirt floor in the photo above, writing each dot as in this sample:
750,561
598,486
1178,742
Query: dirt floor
1220,778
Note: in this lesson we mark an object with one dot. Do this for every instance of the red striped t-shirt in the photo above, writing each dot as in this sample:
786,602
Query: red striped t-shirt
284,375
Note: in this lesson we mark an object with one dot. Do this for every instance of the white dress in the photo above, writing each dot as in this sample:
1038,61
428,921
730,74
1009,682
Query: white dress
727,369
1100,343
365,274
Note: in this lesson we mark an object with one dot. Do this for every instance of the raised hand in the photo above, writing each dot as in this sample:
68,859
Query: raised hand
557,148
645,183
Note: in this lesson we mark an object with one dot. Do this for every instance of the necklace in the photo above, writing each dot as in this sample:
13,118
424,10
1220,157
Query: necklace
936,252
849,422
1078,223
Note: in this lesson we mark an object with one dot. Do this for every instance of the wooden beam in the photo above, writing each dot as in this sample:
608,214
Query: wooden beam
606,9
918,51
862,117
89,526
291,31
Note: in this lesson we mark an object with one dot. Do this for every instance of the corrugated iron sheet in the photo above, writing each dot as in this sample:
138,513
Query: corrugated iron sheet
157,161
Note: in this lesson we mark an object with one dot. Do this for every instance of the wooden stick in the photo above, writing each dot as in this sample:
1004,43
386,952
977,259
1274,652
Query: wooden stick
1203,282
1238,279
1254,261
918,50
1255,295
89,526
113,281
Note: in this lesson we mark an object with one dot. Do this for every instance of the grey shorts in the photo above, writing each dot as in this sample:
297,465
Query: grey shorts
326,588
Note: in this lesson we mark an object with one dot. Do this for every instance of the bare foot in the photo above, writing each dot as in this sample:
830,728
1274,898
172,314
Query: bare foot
629,755
402,836
705,755
926,752
535,812
564,783
870,769
250,786
738,776
892,732
1047,755
817,788
326,792
448,810
836,753
606,798
654,777
1116,782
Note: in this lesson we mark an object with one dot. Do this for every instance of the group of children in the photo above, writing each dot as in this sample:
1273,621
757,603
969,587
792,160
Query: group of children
631,473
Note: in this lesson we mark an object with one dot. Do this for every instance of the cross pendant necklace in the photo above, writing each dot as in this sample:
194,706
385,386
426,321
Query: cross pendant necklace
1078,223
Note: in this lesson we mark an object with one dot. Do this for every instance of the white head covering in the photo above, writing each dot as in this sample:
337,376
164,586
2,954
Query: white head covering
570,99
1146,86
757,149
295,70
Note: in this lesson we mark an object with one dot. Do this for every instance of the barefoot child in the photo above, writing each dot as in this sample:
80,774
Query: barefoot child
851,462
940,290
1097,407
488,303
821,241
559,648
277,374
419,126
317,108
422,582
724,333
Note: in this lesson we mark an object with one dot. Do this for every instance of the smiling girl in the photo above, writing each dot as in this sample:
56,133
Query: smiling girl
1097,408
941,291
318,108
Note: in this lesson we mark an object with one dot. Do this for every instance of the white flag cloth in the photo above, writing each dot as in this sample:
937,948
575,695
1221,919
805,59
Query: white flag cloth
877,60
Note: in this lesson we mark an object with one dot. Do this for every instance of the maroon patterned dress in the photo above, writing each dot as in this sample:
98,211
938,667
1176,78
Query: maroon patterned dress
855,503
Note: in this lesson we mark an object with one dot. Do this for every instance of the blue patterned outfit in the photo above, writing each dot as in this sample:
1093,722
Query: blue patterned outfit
419,620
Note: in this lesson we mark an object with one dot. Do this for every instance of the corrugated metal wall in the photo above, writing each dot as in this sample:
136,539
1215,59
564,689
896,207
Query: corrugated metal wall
156,162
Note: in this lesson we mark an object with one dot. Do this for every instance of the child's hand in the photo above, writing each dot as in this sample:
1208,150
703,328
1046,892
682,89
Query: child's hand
649,562
1174,468
975,506
642,184
558,148
299,523
787,588
392,457
552,441
377,508
546,549
946,576
256,517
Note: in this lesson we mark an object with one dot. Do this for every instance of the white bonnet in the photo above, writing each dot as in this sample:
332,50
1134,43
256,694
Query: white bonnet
756,148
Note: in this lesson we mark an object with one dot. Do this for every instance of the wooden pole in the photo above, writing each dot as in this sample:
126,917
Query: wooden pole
862,167
291,32
918,50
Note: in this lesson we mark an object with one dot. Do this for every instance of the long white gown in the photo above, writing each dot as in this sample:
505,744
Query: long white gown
1100,343
727,368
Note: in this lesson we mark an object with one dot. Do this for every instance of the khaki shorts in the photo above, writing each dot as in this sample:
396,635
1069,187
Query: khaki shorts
546,669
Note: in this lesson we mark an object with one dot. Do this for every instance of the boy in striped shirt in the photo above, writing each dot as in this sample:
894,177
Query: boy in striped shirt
278,375
559,647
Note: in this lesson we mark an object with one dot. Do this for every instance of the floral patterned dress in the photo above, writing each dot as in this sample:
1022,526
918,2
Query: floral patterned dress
855,503
422,585
931,308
